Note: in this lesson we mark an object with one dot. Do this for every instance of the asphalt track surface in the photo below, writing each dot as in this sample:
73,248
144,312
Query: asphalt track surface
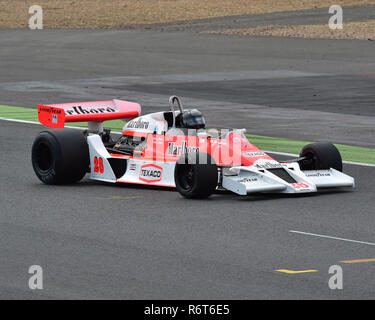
289,88
96,240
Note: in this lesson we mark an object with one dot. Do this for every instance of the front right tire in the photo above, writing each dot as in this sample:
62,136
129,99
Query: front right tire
196,175
60,156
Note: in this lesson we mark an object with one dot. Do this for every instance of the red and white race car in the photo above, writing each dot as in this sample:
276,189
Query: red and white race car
172,149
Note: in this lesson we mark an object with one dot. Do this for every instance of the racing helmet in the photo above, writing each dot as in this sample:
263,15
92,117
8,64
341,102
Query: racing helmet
190,119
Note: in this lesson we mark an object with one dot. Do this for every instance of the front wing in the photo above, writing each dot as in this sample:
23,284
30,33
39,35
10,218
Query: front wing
252,179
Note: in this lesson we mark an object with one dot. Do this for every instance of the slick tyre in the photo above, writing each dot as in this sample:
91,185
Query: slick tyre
196,175
60,156
320,156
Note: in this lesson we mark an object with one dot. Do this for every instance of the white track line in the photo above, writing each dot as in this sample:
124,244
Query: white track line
359,164
329,237
21,121
272,152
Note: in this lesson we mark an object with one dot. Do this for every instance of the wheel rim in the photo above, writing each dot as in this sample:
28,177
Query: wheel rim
44,159
310,162
185,176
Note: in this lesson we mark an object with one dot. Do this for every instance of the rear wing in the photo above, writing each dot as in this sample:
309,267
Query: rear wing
55,115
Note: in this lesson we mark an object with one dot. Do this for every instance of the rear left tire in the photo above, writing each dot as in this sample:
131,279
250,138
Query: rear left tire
60,156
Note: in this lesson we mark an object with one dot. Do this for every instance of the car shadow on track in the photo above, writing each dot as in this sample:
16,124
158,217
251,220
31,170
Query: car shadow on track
225,195
219,195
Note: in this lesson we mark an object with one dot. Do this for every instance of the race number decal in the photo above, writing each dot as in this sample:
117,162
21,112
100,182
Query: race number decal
300,185
98,165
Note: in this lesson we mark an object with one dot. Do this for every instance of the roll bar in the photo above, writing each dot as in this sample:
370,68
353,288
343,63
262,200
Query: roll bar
172,100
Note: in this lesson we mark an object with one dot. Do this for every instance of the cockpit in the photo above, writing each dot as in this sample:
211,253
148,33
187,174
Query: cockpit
185,119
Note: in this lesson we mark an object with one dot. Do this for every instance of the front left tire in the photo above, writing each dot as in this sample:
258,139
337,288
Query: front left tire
320,156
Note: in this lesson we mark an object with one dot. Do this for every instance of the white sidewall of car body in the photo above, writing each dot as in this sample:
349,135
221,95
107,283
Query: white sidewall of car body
138,171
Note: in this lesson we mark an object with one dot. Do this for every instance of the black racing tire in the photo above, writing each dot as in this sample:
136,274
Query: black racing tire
320,156
60,156
195,177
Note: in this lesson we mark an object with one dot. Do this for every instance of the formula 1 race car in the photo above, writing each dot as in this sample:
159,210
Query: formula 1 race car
172,149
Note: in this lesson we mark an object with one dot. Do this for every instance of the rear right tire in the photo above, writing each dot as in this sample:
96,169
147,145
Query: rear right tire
60,156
